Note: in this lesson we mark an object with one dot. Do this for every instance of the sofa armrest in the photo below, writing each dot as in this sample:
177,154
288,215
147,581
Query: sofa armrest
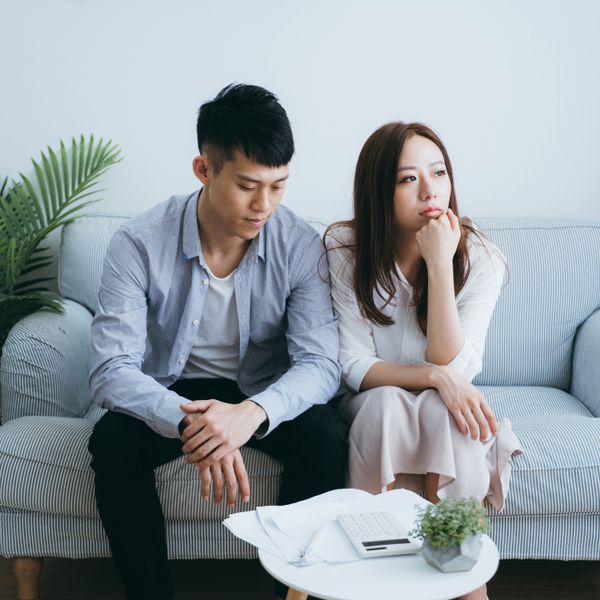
585,381
44,366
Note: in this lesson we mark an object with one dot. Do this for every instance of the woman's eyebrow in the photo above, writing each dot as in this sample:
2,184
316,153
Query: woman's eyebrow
436,162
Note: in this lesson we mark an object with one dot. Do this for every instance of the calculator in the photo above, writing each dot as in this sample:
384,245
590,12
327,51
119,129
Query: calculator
377,534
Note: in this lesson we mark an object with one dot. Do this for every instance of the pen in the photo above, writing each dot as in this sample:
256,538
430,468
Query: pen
309,549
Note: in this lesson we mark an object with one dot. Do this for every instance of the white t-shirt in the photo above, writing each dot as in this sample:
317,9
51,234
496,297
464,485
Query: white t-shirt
216,351
363,343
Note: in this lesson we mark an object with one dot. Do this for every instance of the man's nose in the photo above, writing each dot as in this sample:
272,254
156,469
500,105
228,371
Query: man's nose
262,200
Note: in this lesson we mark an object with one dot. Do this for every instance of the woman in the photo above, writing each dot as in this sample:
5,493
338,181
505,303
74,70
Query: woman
415,287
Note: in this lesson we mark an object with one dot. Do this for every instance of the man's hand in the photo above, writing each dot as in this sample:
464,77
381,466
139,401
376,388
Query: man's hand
466,403
214,429
438,240
226,475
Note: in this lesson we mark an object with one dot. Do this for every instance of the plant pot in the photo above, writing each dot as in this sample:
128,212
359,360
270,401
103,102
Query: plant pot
454,558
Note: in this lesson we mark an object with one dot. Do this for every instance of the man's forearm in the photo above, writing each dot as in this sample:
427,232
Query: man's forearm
107,385
302,386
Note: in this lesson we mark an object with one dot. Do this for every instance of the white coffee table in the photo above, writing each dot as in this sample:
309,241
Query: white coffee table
407,577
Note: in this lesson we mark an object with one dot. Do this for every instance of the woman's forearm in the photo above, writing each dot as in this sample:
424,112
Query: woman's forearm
444,332
409,378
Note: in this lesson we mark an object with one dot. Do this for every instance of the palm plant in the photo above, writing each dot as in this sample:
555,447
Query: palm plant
64,183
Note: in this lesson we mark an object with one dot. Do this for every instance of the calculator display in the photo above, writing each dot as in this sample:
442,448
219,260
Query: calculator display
385,542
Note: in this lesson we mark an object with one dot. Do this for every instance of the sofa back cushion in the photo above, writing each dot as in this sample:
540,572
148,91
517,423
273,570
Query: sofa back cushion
553,286
82,250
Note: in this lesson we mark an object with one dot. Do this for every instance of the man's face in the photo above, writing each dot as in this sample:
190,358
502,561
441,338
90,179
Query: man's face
242,195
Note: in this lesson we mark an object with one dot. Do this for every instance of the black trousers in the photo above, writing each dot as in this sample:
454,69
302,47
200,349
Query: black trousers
125,452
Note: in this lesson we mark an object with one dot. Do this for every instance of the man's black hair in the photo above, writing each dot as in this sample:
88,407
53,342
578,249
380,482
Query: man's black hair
246,118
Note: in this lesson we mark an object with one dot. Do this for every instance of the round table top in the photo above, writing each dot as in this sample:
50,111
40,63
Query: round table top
408,576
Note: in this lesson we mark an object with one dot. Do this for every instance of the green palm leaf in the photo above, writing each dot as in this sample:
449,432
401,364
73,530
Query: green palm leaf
30,210
62,184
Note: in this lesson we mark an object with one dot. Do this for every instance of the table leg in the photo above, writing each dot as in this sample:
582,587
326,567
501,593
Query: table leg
27,572
295,595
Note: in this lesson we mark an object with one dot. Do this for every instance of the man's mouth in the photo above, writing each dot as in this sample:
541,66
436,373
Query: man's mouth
256,222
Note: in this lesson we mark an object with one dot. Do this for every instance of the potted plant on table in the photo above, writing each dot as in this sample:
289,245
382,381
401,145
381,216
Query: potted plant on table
451,532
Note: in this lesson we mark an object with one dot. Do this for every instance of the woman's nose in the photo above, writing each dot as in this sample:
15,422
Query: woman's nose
428,191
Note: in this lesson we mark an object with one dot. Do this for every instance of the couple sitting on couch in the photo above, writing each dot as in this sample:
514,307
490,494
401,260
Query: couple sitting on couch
216,329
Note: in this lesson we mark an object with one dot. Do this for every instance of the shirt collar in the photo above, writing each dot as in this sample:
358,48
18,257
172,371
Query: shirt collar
260,252
191,234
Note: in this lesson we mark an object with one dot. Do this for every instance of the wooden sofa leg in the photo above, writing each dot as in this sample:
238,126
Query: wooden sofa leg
27,572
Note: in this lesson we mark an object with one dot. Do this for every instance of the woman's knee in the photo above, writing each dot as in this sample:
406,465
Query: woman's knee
382,403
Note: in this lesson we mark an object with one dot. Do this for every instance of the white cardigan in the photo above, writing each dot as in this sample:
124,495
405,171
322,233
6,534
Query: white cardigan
363,343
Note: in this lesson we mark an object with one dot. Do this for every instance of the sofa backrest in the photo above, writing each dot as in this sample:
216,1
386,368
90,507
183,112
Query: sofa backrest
553,286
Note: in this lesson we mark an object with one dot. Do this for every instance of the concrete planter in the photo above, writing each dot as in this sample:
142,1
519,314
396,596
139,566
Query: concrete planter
454,558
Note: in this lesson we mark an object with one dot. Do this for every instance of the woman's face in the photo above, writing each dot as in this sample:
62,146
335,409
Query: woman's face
422,184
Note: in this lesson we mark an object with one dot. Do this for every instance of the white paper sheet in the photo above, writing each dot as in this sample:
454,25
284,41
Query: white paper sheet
290,531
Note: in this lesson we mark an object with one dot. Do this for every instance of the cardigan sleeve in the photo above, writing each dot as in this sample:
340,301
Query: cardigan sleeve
476,303
357,346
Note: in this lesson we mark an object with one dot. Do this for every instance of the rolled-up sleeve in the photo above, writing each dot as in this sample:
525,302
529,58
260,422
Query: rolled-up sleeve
119,342
312,341
476,305
357,347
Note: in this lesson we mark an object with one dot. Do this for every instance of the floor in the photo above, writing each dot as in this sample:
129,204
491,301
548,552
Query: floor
94,579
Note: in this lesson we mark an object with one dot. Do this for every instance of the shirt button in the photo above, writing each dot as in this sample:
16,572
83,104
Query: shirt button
205,282
195,322
110,313
180,361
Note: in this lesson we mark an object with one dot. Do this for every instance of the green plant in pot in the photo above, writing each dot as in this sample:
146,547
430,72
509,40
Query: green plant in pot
451,533
63,182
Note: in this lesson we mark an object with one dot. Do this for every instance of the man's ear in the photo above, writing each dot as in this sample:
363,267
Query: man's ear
200,166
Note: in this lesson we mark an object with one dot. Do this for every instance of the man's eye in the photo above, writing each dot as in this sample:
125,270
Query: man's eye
246,189
277,187
407,179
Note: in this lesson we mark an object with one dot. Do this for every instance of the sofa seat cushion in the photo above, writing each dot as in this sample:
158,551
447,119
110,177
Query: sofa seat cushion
520,402
45,467
559,470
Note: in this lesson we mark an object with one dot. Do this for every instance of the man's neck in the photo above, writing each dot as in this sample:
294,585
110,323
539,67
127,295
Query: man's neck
222,251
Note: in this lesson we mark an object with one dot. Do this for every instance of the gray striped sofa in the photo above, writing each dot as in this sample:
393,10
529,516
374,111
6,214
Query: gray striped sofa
541,369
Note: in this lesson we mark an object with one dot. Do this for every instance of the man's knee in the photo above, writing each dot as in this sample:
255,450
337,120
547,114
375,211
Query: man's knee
327,435
115,437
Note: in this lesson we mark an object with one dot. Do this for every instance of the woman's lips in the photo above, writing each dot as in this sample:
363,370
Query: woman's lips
431,212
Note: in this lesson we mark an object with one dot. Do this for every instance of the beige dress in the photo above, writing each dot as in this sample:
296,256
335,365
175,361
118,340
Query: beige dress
397,436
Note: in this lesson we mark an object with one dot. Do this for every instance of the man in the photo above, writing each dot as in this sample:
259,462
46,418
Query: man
214,330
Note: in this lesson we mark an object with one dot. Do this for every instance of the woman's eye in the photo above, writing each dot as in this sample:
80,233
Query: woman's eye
441,172
407,179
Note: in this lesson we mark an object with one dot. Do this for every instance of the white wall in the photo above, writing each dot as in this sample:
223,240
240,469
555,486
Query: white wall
512,87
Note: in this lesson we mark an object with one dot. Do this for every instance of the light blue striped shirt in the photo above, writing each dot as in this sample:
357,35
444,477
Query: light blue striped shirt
150,305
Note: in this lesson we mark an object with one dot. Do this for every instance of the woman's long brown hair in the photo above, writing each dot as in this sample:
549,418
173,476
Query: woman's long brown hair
373,224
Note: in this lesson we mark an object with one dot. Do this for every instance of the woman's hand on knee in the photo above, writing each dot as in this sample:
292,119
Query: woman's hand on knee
467,405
